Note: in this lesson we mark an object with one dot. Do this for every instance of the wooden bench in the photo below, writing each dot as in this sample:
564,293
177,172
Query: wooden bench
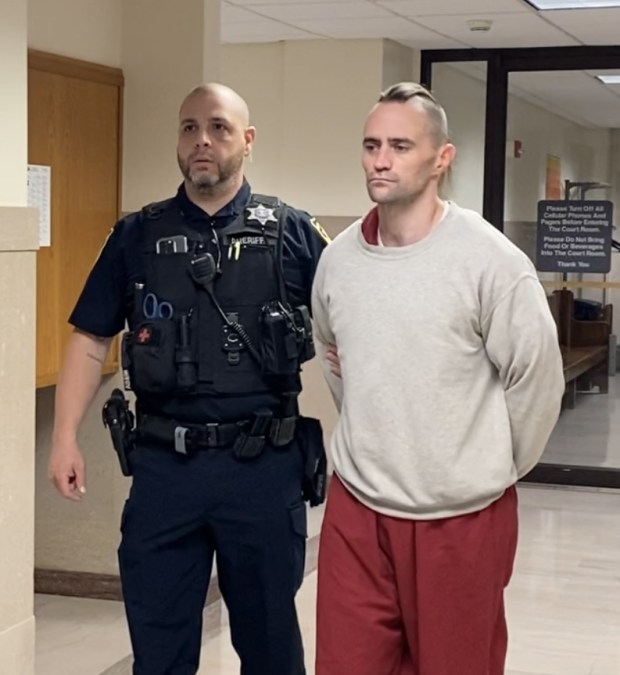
584,346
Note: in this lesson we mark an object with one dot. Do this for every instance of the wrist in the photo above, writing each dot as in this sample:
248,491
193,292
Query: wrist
64,435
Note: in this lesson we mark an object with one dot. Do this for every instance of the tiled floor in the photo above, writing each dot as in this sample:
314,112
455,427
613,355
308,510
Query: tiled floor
589,435
75,636
563,603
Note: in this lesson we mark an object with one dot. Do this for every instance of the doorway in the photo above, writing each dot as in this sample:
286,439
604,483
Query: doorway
540,125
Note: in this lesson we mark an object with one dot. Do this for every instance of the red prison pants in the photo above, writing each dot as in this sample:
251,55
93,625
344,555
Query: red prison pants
406,597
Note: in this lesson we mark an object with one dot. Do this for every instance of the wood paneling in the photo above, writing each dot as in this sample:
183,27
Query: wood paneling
74,114
81,70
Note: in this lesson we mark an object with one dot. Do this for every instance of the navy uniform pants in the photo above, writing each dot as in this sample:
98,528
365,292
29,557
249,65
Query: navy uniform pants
183,512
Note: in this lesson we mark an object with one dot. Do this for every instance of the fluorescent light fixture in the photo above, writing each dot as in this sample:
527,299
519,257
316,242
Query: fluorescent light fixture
609,79
545,5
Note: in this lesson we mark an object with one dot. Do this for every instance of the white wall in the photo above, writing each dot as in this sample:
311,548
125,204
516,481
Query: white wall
13,130
464,100
308,100
584,155
239,67
400,64
81,29
18,242
163,58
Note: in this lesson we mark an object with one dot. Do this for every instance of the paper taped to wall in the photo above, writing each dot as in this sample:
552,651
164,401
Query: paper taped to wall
40,197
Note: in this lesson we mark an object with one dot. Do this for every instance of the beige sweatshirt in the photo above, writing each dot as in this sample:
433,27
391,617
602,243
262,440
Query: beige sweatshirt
451,370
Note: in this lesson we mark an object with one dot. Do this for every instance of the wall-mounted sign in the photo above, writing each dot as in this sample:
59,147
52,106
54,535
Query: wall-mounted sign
574,236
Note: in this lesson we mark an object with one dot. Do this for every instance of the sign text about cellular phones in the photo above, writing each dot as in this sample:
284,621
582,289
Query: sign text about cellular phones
574,237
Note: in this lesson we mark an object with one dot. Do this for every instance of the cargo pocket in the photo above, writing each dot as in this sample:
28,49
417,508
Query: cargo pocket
299,525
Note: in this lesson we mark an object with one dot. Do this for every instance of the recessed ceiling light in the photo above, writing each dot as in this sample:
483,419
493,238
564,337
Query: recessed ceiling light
544,5
609,79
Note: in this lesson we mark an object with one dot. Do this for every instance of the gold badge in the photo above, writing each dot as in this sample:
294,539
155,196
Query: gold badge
320,230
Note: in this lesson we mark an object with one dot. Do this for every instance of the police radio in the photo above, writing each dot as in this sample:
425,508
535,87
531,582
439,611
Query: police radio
279,342
286,339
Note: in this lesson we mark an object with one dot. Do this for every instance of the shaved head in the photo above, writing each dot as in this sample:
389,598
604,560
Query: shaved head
411,92
215,137
227,98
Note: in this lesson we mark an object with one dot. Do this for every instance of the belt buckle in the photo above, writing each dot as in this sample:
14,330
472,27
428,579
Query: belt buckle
212,435
180,440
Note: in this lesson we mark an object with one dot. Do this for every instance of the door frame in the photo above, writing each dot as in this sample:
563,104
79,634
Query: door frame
500,63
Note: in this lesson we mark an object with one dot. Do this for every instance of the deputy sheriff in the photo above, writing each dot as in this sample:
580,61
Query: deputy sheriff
214,287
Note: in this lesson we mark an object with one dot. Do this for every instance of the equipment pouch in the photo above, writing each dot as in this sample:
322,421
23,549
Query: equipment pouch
151,356
310,438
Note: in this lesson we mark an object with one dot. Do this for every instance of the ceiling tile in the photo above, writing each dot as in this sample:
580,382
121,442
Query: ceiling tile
392,27
452,7
572,94
231,14
255,3
431,41
322,10
557,81
591,26
262,30
508,30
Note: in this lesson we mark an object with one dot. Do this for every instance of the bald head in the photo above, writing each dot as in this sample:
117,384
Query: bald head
220,96
215,137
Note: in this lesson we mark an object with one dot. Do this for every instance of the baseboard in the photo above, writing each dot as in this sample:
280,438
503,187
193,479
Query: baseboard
95,586
108,586
77,584
582,476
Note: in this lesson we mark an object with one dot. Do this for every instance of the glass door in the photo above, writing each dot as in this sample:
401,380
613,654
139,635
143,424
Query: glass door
560,191
460,87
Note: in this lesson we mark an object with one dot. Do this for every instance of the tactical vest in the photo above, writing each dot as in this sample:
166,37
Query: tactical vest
212,317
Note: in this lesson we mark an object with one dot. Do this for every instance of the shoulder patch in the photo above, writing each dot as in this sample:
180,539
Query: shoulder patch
320,230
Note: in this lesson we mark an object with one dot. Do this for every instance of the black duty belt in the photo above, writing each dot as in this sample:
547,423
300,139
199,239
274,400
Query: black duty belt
187,438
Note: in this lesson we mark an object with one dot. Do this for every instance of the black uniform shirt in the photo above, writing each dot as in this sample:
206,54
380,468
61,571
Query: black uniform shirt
106,302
